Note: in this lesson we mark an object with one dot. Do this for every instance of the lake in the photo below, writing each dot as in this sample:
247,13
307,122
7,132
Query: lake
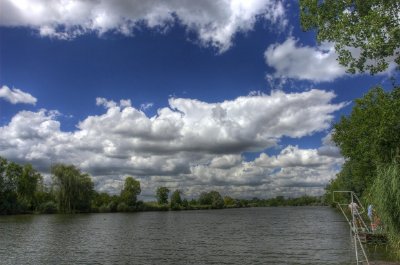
281,235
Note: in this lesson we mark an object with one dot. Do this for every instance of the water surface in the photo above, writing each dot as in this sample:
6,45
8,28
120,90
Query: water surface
281,235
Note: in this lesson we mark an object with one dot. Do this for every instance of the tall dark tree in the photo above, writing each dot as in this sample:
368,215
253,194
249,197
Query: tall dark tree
27,185
130,191
176,200
7,193
162,195
10,173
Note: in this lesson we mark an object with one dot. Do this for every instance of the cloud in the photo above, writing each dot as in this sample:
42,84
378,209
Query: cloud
189,143
292,61
146,106
214,21
292,171
16,96
329,148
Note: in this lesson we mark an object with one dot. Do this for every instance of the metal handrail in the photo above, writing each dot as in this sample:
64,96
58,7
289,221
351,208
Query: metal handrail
353,223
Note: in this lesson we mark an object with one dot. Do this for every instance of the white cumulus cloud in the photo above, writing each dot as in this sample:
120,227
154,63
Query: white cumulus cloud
190,144
214,21
15,96
293,61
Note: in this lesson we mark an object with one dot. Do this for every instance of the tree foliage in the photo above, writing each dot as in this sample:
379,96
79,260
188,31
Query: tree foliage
27,184
368,137
130,192
18,187
162,195
212,198
176,200
74,190
370,26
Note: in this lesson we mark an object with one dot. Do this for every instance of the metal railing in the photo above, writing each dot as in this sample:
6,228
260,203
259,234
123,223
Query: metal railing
355,221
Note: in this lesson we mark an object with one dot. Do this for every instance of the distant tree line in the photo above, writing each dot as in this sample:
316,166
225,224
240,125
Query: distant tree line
22,191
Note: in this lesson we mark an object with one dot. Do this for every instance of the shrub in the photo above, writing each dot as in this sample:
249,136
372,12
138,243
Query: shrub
48,207
122,207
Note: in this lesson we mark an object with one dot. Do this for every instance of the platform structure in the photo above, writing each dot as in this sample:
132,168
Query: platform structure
358,228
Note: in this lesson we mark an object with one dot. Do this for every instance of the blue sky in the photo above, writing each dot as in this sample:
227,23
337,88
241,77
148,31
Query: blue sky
223,95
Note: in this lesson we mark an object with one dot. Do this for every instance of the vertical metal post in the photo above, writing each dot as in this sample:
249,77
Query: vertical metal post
355,217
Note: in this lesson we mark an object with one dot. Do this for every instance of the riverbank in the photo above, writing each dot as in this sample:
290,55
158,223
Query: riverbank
383,263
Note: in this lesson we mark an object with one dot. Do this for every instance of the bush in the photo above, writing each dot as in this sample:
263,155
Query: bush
48,207
154,206
112,206
104,209
122,207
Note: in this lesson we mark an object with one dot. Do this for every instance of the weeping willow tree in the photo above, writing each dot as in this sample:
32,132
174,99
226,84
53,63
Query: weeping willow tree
387,186
74,190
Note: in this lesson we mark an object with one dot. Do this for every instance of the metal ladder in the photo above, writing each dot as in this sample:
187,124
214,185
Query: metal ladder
356,224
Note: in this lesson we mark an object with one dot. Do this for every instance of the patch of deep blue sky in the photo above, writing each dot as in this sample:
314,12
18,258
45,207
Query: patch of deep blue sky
149,68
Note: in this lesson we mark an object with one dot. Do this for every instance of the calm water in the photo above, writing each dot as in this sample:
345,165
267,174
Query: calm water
287,235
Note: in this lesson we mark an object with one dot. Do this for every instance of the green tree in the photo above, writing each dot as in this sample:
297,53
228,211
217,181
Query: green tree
45,198
212,198
369,136
5,192
229,201
13,172
27,186
86,191
162,195
185,204
74,190
130,191
216,200
100,201
371,26
369,139
205,199
176,200
10,173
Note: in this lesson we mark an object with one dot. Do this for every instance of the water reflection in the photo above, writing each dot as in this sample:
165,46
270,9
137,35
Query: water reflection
287,235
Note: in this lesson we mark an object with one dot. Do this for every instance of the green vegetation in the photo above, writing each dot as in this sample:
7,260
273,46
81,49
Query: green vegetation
366,33
162,195
19,188
129,193
73,189
176,200
369,139
212,198
387,186
22,191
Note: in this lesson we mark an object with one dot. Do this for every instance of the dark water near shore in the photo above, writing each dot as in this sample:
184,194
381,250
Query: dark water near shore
283,235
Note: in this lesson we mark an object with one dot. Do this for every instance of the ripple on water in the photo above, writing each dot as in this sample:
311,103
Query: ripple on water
282,235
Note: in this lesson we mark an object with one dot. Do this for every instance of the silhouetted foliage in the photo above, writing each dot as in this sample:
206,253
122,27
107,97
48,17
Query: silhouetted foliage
162,195
176,200
130,192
